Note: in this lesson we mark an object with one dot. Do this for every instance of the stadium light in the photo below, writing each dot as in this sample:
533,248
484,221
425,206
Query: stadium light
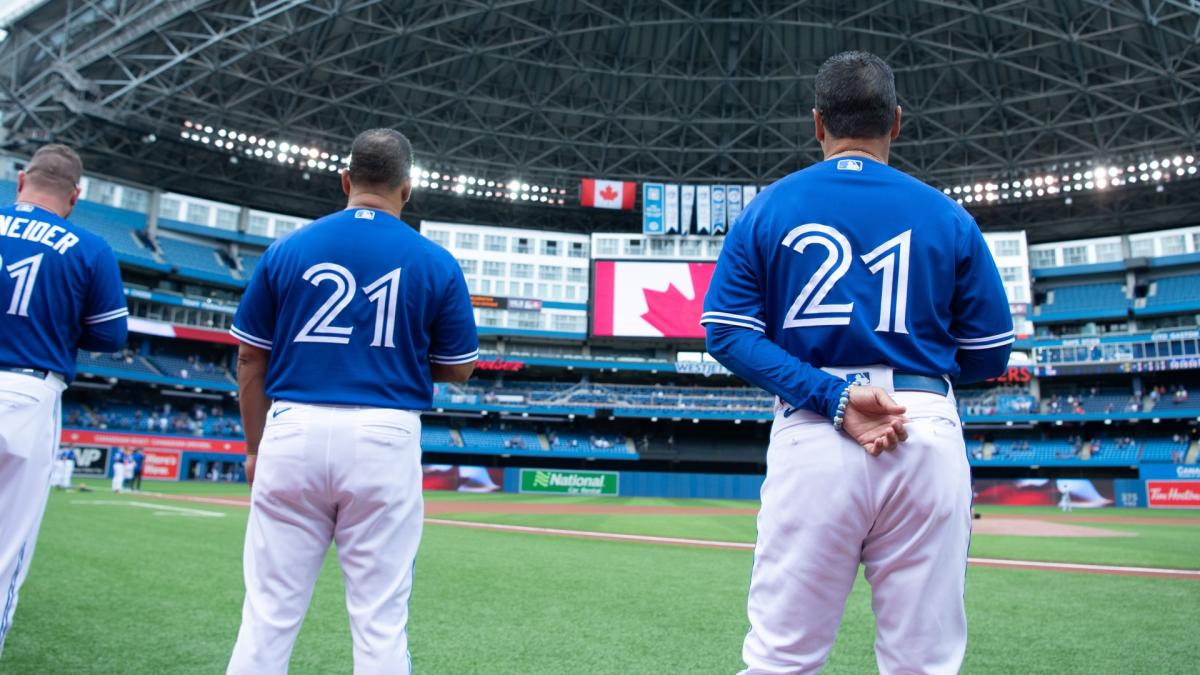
1077,178
312,157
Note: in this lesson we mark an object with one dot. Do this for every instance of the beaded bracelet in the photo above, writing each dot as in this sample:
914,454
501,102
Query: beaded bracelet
839,418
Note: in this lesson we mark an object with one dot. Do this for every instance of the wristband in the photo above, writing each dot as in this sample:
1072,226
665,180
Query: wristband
839,417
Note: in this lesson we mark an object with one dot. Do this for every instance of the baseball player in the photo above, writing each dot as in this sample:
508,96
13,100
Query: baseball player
856,294
345,325
60,291
118,469
64,469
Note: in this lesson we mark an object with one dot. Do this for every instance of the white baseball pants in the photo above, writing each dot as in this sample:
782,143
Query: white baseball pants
332,474
828,506
29,435
118,479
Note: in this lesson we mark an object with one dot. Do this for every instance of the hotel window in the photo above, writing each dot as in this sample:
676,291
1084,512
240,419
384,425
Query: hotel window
1074,255
258,225
1109,251
1141,248
439,237
1173,244
197,213
577,275
1008,248
466,240
522,271
227,220
634,247
135,199
522,245
168,207
578,249
468,266
1042,258
549,247
662,247
493,268
607,247
549,273
495,242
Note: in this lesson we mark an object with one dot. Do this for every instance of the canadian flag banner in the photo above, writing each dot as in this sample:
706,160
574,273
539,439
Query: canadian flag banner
607,194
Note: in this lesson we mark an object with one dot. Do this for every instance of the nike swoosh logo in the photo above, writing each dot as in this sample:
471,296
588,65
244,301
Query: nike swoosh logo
279,412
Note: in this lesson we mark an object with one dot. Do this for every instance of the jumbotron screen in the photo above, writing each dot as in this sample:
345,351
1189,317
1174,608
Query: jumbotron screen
650,299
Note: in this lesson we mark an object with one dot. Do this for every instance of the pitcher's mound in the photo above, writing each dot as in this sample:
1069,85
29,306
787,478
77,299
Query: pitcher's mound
1027,527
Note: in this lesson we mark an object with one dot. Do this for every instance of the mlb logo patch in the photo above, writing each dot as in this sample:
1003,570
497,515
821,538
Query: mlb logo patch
859,379
849,165
365,214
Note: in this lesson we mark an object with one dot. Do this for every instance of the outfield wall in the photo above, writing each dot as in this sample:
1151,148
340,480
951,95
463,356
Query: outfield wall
641,484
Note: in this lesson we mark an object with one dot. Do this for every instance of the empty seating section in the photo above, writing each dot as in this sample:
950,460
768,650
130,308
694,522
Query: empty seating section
88,362
1103,299
119,227
1034,452
193,257
1107,451
188,369
1164,450
1177,290
436,438
500,441
249,262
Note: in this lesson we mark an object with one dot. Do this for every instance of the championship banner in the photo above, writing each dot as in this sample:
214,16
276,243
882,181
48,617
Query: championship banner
689,204
733,203
671,210
607,194
657,299
161,466
122,439
749,192
550,481
652,208
1173,494
703,209
718,209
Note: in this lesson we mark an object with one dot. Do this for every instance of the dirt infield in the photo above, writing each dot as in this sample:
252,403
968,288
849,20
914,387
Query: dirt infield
1036,527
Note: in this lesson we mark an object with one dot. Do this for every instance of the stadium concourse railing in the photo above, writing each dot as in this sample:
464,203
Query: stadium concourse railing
735,403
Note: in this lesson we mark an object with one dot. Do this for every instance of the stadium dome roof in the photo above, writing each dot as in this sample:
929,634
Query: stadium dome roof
555,90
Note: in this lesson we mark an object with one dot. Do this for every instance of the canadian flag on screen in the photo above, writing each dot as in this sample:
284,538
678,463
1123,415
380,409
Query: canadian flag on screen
607,194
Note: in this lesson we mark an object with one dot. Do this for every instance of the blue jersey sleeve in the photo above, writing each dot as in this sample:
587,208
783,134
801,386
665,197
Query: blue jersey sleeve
453,339
105,327
736,332
981,317
254,322
735,295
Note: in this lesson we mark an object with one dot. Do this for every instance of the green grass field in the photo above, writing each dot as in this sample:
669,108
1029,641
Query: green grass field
121,588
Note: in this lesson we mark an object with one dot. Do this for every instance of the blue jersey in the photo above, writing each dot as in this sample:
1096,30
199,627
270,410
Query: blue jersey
354,308
60,290
853,263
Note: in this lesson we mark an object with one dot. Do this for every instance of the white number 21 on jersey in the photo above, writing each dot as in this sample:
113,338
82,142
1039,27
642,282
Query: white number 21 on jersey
889,259
384,292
